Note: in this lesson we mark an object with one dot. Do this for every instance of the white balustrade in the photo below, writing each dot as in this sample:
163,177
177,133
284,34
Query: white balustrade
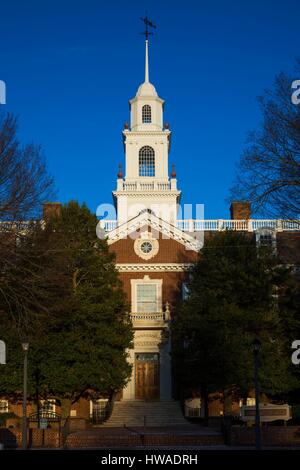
145,186
108,225
147,316
17,226
191,225
239,225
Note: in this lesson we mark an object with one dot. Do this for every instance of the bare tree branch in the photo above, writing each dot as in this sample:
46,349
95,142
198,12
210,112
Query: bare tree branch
24,181
269,169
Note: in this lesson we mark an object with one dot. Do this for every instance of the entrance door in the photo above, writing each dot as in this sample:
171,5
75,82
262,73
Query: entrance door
147,376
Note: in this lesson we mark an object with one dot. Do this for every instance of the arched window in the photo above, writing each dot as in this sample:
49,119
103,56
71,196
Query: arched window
146,113
146,161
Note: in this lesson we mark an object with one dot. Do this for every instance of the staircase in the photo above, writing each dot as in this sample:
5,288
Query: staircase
145,424
146,413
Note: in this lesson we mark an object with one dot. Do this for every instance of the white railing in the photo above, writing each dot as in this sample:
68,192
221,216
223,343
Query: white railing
15,226
190,225
147,316
130,186
241,225
146,186
108,225
163,186
290,224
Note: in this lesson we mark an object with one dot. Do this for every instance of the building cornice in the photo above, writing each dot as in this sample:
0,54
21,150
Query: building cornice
147,98
146,133
153,267
142,194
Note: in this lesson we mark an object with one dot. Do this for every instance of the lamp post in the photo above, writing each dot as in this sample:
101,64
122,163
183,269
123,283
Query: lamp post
256,347
25,347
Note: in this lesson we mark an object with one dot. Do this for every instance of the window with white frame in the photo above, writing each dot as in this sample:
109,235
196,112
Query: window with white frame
3,406
146,295
146,161
98,410
146,114
266,240
266,237
249,402
47,406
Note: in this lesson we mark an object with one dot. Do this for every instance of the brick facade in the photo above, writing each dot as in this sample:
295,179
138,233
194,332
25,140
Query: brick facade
79,409
279,436
170,251
171,284
41,438
288,247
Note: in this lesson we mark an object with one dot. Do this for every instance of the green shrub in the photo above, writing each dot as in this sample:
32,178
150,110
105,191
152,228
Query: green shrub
296,411
5,416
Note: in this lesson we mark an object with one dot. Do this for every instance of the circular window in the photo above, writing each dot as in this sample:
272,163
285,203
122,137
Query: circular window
146,247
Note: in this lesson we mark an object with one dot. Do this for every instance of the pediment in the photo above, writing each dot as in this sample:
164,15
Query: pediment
160,228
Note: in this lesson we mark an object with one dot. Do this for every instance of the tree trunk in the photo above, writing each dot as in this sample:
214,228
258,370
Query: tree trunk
227,408
65,408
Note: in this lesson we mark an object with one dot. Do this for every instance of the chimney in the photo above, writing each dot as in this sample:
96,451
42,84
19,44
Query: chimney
51,209
240,210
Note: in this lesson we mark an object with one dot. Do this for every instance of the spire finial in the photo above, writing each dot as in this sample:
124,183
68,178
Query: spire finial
147,33
120,173
173,173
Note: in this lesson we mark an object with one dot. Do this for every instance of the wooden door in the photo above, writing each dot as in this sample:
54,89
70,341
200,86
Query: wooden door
147,376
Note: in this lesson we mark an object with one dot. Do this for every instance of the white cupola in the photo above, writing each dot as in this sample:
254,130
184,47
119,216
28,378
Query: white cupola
146,183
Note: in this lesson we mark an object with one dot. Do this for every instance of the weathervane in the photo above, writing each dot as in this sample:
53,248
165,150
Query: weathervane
147,24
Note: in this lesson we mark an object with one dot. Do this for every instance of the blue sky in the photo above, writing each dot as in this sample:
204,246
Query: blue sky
71,66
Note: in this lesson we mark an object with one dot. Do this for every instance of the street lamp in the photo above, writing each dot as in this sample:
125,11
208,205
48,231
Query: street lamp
256,347
25,347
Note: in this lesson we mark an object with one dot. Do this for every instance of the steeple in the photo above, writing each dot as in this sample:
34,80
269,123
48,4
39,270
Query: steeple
146,183
146,88
146,108
146,63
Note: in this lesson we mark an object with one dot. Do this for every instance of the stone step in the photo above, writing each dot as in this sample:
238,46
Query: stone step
149,413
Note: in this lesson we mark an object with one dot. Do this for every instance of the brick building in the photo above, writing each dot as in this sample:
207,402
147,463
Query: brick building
154,249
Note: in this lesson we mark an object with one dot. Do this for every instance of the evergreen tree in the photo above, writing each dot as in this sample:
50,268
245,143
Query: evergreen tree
234,289
71,308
